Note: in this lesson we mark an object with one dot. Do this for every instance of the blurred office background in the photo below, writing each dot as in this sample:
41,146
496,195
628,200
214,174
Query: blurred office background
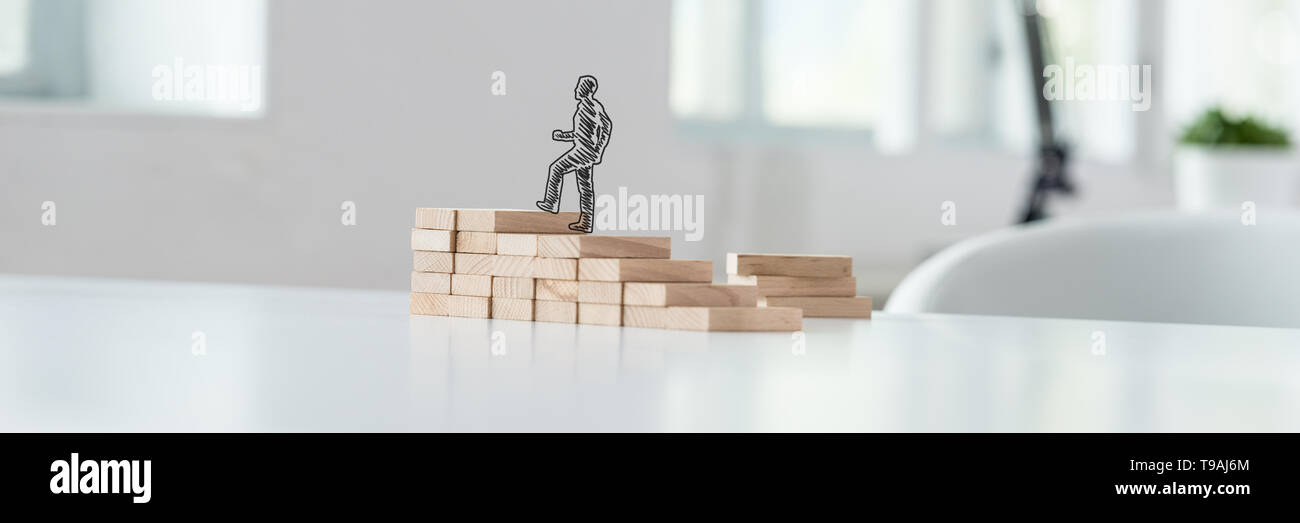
829,126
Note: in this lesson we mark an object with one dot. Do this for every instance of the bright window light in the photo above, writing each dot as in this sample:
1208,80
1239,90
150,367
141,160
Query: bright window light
822,62
1242,55
753,67
13,36
707,59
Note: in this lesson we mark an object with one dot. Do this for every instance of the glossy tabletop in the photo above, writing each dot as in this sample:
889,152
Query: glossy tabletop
112,355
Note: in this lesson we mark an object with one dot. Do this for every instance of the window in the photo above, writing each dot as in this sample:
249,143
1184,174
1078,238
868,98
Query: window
908,74
1241,54
1101,34
790,67
13,36
200,57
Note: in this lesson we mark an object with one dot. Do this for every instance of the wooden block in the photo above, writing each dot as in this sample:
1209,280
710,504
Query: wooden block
431,282
476,242
786,319
610,292
797,286
556,290
471,284
432,240
494,265
507,287
513,266
505,220
823,306
468,263
555,268
810,266
689,294
512,309
517,244
599,314
469,306
428,304
429,261
635,269
430,218
642,316
555,311
575,246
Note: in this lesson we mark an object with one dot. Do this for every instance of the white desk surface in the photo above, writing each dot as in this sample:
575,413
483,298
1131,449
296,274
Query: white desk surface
109,355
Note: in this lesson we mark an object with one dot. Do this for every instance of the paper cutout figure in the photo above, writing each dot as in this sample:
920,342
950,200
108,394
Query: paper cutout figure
590,135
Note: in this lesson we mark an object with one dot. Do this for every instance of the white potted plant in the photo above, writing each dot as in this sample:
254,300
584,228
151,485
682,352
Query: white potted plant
1222,162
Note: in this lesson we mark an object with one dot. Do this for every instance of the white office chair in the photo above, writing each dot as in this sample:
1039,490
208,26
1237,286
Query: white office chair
1177,268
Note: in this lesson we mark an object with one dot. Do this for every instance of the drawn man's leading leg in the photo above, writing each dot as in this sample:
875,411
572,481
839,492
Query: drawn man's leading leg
555,181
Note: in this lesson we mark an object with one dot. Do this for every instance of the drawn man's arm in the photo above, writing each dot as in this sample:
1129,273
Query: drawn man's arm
562,136
603,133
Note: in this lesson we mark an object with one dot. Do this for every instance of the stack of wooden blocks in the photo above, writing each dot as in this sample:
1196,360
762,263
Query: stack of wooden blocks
821,286
527,265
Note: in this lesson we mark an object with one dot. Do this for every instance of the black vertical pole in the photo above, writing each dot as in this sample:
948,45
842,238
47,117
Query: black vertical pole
1050,175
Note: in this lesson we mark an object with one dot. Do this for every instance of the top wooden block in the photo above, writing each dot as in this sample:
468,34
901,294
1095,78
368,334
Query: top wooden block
812,266
585,246
502,220
431,218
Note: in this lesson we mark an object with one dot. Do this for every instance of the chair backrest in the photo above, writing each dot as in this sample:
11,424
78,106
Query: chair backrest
1176,268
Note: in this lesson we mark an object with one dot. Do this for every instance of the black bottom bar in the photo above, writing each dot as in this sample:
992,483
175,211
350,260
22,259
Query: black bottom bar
323,471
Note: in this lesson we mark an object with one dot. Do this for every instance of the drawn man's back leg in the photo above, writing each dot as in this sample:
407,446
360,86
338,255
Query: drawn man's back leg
555,181
586,199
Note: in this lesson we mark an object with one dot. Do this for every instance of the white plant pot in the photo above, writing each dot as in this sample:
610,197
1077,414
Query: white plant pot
1218,178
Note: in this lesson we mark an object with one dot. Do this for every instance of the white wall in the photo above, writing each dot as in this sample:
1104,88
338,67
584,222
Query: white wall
388,105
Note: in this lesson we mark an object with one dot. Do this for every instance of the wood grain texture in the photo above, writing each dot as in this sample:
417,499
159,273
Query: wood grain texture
432,240
600,314
431,282
507,220
495,265
797,286
555,268
469,306
469,263
556,290
587,246
430,261
645,317
513,266
610,292
689,294
776,319
434,218
508,287
428,304
640,269
823,306
512,309
811,266
555,311
471,284
517,244
476,242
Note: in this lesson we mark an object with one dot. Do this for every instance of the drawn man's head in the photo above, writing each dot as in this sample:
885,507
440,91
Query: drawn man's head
586,87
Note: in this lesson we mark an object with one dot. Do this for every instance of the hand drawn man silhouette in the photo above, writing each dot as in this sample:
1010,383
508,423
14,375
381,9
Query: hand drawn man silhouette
590,136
